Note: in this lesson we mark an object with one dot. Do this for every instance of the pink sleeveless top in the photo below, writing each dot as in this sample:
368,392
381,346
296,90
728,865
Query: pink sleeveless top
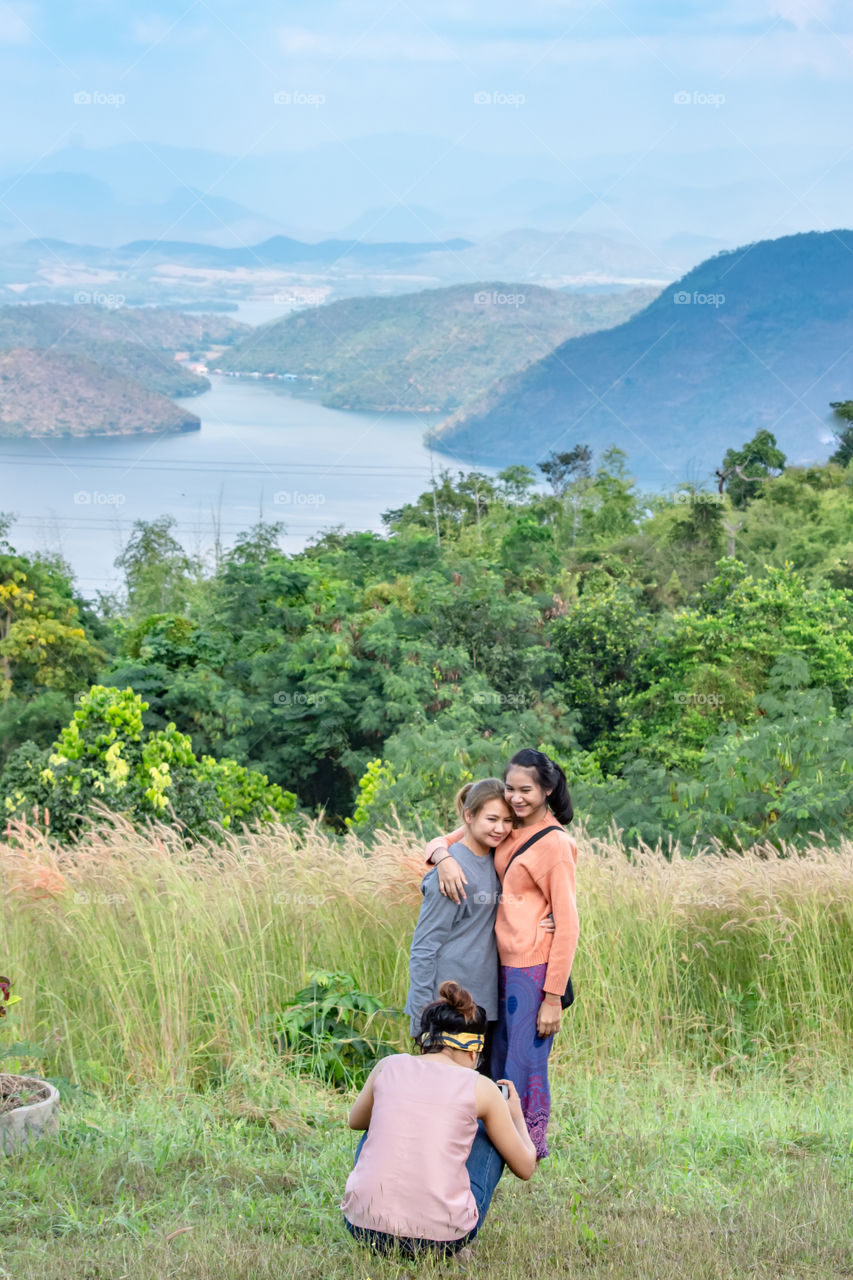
411,1178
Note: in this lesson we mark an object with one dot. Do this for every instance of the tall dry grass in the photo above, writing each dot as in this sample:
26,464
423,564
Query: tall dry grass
140,958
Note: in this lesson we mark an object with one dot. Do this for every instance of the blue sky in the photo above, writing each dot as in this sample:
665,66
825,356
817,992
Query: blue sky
600,75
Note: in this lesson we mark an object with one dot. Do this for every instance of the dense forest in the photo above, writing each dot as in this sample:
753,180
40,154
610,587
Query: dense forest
428,351
687,657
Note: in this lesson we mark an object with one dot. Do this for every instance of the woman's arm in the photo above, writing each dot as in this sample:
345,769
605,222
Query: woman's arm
505,1126
431,932
362,1108
558,885
557,882
451,877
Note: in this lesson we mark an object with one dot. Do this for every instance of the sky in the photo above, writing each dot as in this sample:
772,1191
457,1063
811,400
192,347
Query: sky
509,78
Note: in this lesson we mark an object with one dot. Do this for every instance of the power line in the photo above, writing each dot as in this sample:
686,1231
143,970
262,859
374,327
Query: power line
228,466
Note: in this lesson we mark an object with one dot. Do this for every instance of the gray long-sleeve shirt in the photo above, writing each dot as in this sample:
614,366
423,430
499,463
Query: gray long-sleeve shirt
456,942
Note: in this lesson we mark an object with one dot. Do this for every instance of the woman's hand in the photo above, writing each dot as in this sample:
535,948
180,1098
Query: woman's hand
513,1101
548,1019
451,878
547,923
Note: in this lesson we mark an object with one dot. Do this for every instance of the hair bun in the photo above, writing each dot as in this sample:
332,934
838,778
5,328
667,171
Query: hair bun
459,999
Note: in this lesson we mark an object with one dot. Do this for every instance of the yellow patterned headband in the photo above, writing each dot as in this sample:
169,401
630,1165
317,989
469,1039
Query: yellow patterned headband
467,1040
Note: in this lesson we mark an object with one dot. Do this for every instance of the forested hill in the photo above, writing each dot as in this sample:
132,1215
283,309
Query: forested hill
427,351
60,393
42,324
759,337
138,342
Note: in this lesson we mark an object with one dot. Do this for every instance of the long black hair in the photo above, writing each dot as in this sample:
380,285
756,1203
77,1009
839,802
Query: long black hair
455,1010
550,778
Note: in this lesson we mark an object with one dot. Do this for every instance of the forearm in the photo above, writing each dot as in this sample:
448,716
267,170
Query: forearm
522,1131
441,844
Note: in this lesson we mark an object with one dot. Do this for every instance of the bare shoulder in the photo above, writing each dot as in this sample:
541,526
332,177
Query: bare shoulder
485,1093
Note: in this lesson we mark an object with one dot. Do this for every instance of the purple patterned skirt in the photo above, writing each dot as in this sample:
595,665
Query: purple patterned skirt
519,1053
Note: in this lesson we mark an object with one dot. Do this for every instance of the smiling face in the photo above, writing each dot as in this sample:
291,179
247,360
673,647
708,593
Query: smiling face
491,825
526,797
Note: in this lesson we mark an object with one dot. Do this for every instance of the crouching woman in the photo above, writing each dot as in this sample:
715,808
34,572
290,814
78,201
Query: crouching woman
438,1134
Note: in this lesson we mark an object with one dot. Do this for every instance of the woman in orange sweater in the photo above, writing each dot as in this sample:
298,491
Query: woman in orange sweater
535,967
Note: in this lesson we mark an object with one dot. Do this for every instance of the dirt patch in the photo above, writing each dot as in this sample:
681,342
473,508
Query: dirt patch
20,1091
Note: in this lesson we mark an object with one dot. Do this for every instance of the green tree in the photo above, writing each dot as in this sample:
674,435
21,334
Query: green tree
560,469
598,643
843,435
786,776
49,646
105,754
745,472
159,575
515,484
710,663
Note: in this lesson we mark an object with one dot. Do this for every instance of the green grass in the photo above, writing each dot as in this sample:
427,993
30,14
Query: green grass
653,1175
703,1099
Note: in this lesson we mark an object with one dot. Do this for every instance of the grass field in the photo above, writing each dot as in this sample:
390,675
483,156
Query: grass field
703,1098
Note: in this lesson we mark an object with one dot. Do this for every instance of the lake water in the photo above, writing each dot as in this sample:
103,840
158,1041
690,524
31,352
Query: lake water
260,451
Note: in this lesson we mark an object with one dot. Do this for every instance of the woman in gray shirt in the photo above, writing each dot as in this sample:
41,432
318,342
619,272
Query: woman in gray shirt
455,942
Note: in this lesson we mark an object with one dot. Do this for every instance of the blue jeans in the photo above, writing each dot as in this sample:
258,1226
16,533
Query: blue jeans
485,1166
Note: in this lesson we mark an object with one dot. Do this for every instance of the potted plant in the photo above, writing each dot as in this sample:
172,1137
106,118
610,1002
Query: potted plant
28,1106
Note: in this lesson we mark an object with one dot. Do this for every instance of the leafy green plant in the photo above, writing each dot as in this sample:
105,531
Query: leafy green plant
327,1027
20,1049
107,754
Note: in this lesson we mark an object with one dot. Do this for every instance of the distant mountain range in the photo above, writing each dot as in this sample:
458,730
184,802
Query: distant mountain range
146,189
759,337
430,351
281,270
283,251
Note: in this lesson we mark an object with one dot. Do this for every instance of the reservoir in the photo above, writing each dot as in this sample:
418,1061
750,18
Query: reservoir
260,453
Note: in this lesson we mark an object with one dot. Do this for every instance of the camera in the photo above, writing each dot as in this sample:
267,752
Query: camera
504,1088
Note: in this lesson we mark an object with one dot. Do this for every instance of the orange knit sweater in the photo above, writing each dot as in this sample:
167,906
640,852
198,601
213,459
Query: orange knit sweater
538,882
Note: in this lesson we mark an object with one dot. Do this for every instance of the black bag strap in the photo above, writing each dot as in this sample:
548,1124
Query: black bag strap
527,844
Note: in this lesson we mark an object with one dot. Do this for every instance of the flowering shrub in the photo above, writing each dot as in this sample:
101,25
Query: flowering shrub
106,754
